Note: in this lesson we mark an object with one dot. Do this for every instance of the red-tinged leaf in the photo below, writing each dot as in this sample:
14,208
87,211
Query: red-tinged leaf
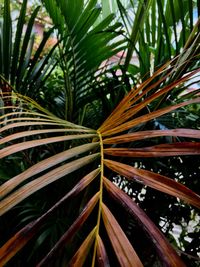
9,150
38,132
70,232
163,150
127,100
167,254
35,185
28,119
20,239
43,166
145,102
82,253
102,257
27,123
131,137
147,117
17,242
127,107
124,251
156,181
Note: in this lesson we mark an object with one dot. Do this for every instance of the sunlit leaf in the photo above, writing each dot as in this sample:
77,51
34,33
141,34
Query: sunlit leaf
163,150
141,135
9,150
147,117
42,166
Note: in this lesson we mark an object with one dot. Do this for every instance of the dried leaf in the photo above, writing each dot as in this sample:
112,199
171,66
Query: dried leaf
131,137
81,254
35,185
167,254
9,150
147,117
156,181
102,257
125,253
43,166
20,239
163,150
70,232
38,132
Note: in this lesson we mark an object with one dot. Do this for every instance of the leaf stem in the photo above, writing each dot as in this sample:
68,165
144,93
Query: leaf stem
100,198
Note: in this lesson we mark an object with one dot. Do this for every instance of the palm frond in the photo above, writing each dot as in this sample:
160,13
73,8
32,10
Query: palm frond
83,161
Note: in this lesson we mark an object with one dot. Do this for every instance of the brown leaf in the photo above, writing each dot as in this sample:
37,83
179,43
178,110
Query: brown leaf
35,185
156,181
38,132
70,232
163,150
124,251
141,135
9,150
147,117
167,254
43,166
20,239
102,257
81,254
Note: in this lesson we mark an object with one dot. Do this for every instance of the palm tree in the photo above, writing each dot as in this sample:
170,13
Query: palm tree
76,164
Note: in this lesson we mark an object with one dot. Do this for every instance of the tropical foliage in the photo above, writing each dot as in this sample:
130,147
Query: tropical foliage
19,64
57,174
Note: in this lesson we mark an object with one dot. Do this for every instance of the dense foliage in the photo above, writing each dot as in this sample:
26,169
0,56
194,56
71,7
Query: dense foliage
93,124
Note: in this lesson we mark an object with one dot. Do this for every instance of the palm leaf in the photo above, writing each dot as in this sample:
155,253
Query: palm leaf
97,148
86,46
20,64
72,151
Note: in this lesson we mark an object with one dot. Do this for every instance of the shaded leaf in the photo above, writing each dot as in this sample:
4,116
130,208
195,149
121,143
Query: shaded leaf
82,253
156,181
167,254
125,253
35,185
102,257
71,231
20,239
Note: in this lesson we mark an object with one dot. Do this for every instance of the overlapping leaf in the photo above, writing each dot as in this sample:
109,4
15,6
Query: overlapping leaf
27,127
24,68
95,148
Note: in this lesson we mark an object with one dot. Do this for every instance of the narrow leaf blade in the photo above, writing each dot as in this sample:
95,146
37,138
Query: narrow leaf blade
81,254
156,181
167,254
21,238
71,231
125,253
